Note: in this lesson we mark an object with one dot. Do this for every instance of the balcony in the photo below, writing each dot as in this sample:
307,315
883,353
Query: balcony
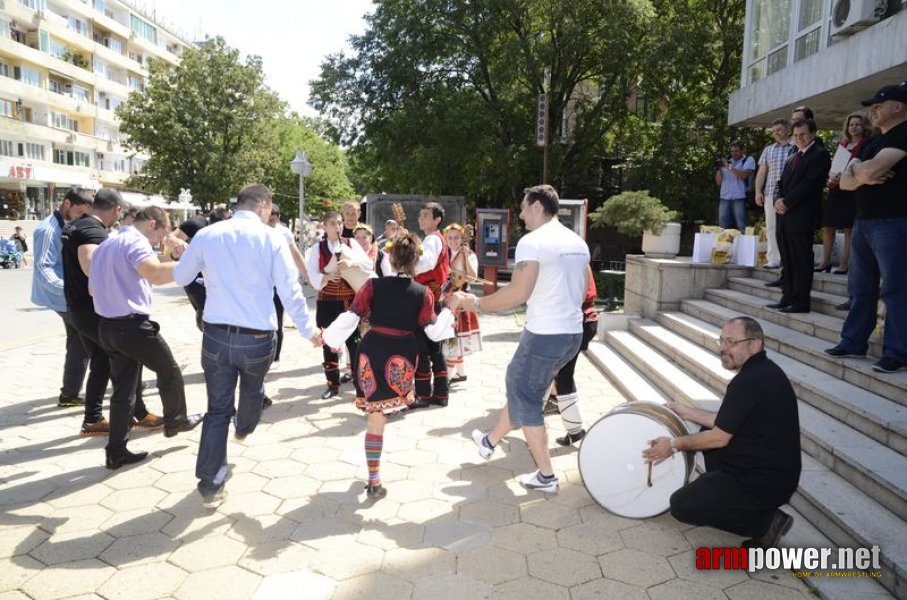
32,131
12,48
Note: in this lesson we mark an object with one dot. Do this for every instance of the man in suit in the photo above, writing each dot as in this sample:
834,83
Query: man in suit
797,203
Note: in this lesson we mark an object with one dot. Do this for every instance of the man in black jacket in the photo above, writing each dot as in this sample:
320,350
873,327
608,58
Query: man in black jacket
798,202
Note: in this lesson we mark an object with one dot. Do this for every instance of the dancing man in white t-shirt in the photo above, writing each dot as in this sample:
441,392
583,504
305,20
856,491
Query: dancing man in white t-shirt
551,278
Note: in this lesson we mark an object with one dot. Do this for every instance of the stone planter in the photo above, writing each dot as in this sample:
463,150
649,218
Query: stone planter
666,245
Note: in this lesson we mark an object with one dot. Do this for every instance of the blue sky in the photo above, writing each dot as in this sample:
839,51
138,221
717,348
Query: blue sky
292,37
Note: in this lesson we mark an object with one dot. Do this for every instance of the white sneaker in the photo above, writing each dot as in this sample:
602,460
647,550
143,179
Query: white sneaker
275,365
532,482
479,438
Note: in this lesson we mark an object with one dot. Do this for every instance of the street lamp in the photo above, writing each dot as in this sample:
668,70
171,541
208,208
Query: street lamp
302,167
185,199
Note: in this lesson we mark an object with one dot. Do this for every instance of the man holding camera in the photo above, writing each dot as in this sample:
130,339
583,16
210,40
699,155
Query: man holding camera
731,176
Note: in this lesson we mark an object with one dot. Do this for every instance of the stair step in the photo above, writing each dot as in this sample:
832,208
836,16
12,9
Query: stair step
821,301
809,350
629,382
880,471
851,519
822,282
879,418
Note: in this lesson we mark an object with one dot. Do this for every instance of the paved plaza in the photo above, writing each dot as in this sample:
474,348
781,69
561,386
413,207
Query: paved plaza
296,523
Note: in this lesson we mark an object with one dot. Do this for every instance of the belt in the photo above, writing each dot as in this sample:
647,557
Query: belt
130,317
237,329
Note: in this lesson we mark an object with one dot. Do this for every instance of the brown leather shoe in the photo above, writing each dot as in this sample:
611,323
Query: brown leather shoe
781,524
101,427
150,422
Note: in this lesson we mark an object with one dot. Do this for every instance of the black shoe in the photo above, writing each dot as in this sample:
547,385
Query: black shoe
840,271
190,423
330,393
442,402
775,283
70,401
841,352
550,407
793,309
777,305
781,524
843,306
375,492
345,378
419,403
458,379
571,438
889,365
125,458
266,402
822,269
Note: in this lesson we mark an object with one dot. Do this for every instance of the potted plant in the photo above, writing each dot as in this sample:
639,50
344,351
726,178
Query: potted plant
637,213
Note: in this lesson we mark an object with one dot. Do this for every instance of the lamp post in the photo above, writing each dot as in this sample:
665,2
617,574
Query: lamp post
302,167
185,198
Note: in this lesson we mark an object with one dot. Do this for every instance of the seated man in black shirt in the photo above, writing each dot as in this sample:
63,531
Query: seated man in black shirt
751,445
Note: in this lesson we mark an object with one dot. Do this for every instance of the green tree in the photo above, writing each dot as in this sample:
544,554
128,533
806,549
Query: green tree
205,123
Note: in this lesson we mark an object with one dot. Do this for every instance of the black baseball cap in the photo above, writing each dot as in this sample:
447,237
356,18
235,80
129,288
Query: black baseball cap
898,93
191,225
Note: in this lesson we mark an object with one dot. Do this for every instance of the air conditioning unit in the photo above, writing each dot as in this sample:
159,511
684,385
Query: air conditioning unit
71,138
851,16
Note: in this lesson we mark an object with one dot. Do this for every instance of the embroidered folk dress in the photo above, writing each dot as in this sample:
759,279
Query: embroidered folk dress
395,307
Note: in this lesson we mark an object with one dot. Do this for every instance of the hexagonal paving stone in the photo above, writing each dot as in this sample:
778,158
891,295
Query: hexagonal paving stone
144,497
654,539
132,477
17,571
592,538
563,567
276,587
606,588
415,457
549,515
410,491
267,452
143,582
140,549
451,587
176,482
374,586
253,531
323,534
250,504
709,537
635,567
276,557
457,536
331,472
68,547
20,540
346,560
295,486
414,565
281,467
492,564
490,513
759,590
685,566
71,579
395,533
679,589
524,538
71,497
225,582
423,511
529,587
208,553
460,491
602,519
136,522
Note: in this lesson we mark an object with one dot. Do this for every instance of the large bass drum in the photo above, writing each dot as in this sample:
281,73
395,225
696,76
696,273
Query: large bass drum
612,467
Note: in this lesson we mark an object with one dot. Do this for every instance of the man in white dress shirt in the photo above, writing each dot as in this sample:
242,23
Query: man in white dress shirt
242,261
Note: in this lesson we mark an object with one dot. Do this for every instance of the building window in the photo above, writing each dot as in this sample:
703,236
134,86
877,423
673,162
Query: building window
72,157
7,148
136,84
99,6
27,75
119,165
4,69
32,151
62,121
39,5
7,108
144,30
80,27
808,44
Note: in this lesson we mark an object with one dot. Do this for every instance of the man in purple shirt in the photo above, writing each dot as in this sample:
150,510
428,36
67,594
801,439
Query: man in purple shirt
122,272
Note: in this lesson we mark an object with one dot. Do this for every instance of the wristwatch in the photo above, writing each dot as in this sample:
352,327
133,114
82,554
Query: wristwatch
674,448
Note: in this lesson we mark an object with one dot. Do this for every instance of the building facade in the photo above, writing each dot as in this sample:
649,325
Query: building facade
65,66
826,54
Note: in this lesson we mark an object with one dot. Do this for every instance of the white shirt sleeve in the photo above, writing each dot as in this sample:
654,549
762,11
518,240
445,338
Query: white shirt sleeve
286,282
361,258
315,276
442,328
342,327
190,264
527,250
474,262
432,248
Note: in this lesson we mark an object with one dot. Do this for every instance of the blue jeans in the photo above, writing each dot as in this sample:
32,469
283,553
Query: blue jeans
732,214
533,367
877,248
228,355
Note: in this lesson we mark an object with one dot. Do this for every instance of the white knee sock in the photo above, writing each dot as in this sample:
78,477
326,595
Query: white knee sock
568,405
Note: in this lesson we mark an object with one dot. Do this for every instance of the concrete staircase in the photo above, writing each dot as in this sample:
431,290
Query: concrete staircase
853,421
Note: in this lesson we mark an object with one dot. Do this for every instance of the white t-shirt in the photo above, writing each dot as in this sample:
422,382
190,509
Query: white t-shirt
555,303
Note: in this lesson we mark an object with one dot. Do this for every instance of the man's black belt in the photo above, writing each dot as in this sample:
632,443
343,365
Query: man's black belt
237,329
131,317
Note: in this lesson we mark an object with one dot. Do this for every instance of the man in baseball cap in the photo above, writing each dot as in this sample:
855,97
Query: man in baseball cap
896,93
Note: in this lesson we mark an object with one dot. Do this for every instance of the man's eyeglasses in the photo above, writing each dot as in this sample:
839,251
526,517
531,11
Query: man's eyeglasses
731,342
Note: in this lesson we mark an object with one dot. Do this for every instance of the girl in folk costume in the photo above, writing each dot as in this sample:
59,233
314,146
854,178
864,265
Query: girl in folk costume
365,237
565,386
463,265
397,307
326,260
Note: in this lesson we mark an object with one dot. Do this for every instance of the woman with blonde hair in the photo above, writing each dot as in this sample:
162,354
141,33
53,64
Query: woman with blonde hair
386,361
463,265
839,207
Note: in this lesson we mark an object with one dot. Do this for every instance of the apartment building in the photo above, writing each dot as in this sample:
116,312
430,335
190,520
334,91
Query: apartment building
827,54
65,66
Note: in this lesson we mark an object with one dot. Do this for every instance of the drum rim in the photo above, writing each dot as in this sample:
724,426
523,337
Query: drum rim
688,457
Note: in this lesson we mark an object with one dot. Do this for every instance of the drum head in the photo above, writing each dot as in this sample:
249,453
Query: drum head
613,471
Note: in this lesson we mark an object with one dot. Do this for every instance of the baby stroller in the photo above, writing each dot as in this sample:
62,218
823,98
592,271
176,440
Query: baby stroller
10,257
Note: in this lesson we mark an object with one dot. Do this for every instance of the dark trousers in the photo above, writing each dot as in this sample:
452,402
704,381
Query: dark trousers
75,365
325,313
132,343
278,307
717,499
796,249
197,295
431,364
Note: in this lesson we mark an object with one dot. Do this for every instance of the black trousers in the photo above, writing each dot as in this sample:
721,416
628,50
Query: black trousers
278,306
132,343
325,313
796,248
717,499
75,365
430,365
